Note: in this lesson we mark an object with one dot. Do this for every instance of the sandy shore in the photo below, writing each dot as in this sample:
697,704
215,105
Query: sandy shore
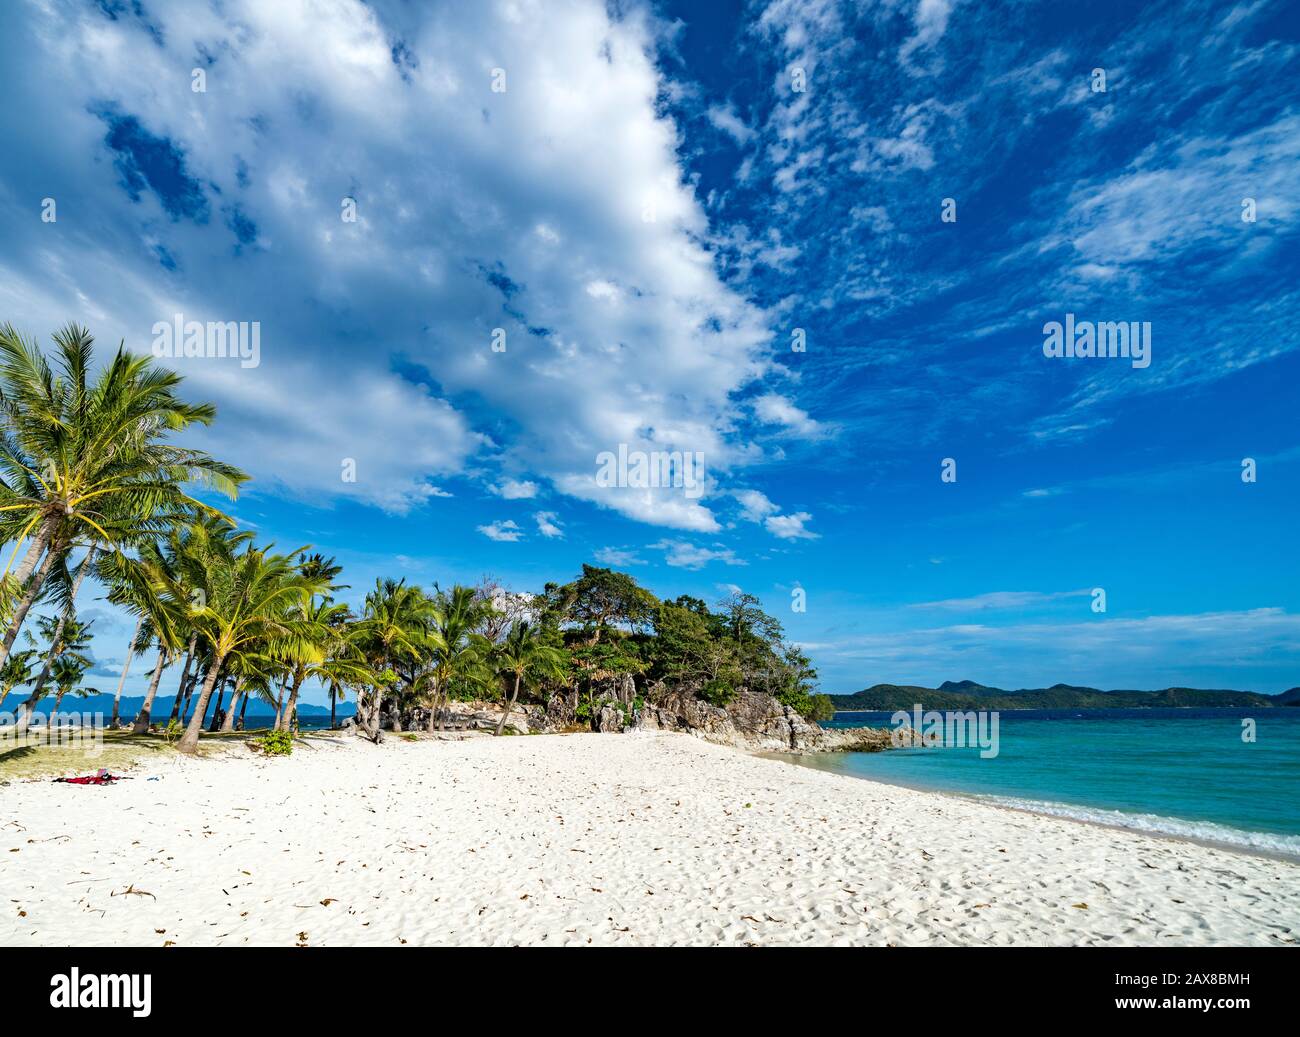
600,839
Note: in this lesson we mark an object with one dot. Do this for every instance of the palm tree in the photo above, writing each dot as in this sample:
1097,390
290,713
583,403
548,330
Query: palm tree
328,654
394,626
318,632
245,601
65,635
83,458
23,717
191,551
523,657
132,648
16,671
451,643
68,670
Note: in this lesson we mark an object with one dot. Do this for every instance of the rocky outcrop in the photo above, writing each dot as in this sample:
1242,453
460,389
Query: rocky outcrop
753,720
610,719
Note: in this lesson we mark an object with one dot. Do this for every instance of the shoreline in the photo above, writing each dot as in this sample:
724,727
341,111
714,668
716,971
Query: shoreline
640,839
990,800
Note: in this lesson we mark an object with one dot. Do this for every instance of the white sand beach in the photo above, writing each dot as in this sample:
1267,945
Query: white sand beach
591,839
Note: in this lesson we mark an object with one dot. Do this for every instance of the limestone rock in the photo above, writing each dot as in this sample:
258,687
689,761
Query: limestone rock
609,719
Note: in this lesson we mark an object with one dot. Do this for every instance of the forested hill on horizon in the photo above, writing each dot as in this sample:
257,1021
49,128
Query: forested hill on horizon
971,695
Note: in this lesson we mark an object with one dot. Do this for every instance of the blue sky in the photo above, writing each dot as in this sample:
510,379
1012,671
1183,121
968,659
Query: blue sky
649,210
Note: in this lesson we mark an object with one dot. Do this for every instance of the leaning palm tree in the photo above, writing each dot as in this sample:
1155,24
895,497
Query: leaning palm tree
67,672
245,603
66,589
84,457
254,669
523,657
326,653
17,670
395,623
137,585
65,636
451,643
192,551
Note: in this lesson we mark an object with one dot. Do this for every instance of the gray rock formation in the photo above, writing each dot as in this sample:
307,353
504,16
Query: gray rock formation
753,720
609,719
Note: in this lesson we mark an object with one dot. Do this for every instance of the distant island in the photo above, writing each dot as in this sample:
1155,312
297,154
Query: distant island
970,695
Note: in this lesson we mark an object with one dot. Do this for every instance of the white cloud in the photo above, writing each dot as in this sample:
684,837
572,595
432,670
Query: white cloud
372,329
684,555
618,556
1001,600
773,409
547,524
757,507
502,531
790,527
931,20
726,119
512,489
755,504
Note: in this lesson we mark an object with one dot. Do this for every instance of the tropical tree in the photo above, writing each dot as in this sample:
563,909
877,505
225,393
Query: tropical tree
328,653
55,635
64,636
16,671
523,657
453,648
246,601
68,670
394,626
86,457
133,647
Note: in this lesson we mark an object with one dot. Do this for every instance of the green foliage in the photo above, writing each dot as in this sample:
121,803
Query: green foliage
717,692
598,600
173,731
821,708
276,743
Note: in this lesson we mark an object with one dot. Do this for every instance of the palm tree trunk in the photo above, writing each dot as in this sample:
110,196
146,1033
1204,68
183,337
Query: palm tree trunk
185,676
439,699
333,695
189,742
377,717
39,542
58,701
30,593
228,721
216,711
189,694
242,710
287,720
279,705
141,724
25,710
130,654
501,724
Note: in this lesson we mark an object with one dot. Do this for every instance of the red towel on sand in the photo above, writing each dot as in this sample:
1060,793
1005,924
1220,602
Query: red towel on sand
102,778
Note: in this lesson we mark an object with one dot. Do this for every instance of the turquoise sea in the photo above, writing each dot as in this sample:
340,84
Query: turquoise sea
1181,772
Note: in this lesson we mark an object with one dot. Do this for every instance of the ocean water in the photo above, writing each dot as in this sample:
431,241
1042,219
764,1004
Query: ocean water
1181,772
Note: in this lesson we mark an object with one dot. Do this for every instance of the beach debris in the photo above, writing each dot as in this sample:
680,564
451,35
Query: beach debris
1081,906
131,891
327,901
